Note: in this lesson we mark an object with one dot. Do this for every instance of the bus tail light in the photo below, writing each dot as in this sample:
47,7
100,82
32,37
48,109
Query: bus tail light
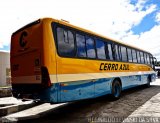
46,82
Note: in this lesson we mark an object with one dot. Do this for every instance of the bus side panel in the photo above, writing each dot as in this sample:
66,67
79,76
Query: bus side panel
103,86
49,95
49,61
136,80
130,81
71,91
72,73
49,50
73,80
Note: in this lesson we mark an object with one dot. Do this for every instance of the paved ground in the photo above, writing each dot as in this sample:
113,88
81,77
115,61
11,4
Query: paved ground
9,101
37,111
138,102
149,112
102,109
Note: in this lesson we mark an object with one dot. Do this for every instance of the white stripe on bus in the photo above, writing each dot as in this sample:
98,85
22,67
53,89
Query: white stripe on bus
76,77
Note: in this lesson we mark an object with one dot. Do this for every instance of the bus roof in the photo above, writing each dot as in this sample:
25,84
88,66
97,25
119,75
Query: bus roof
66,23
63,22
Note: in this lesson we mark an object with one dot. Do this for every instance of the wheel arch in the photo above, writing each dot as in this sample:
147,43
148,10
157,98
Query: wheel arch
114,90
117,78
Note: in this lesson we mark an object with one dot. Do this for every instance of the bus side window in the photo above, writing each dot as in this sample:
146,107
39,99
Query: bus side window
110,52
151,59
100,49
91,53
142,57
120,53
124,53
129,55
81,48
145,58
65,41
138,57
134,55
117,56
148,60
113,51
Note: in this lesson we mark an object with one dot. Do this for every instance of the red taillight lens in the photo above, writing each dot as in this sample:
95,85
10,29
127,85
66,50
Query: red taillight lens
46,82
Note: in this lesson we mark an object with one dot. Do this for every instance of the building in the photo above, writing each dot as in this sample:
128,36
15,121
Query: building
5,73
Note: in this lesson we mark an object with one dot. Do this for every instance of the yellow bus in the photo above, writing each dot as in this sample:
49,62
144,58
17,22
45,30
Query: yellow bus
55,61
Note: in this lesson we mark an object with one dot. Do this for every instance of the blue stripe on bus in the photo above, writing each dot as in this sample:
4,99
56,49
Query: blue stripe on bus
88,89
75,86
84,91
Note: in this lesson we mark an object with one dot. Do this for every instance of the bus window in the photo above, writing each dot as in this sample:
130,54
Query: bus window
142,57
117,57
148,60
81,50
124,53
110,52
129,55
134,55
138,57
145,58
90,47
151,59
100,49
65,42
120,53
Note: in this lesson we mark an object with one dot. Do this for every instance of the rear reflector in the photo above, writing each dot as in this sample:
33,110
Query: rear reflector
46,82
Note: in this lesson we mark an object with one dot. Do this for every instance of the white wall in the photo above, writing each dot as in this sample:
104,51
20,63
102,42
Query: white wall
4,65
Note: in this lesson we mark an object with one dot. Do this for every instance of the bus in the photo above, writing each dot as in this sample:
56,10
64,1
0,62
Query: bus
54,61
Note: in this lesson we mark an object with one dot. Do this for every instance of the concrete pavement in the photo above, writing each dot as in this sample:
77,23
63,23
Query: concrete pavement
9,101
31,113
10,105
147,113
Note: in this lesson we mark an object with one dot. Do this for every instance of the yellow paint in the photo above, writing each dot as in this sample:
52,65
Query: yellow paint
41,45
75,65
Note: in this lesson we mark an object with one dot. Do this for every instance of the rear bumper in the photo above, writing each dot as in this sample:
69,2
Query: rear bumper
35,92
27,88
26,91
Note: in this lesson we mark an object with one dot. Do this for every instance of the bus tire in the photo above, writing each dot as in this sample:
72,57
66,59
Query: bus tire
148,82
116,89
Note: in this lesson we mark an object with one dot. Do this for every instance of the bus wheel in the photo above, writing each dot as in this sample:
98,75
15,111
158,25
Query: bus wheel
148,82
116,89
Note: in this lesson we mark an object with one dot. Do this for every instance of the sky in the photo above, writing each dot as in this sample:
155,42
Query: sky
135,22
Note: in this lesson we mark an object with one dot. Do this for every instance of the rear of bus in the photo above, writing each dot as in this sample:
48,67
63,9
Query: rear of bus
32,51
